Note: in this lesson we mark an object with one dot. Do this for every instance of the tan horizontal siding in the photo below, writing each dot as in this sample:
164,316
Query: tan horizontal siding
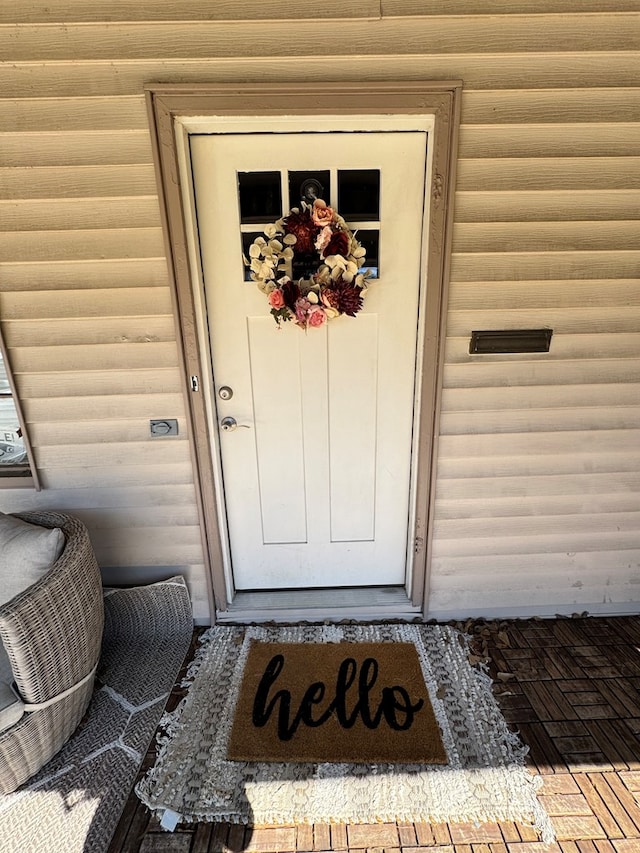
551,443
116,497
47,214
600,292
583,539
510,266
44,275
534,420
147,546
546,205
102,356
174,452
81,244
524,372
574,461
168,10
564,321
438,34
177,515
535,486
73,384
107,407
549,140
161,475
275,10
86,304
554,236
538,460
132,432
33,114
546,528
419,8
556,505
555,105
70,181
512,173
539,397
74,148
47,333
564,72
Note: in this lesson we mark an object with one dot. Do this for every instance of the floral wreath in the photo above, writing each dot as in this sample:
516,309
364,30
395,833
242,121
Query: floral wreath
316,236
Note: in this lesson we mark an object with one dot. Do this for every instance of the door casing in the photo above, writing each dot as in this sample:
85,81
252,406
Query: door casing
177,110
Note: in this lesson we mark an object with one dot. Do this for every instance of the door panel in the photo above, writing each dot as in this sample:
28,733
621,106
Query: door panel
353,428
316,489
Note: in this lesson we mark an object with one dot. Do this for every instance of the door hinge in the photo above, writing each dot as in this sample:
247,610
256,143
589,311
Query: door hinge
195,383
418,544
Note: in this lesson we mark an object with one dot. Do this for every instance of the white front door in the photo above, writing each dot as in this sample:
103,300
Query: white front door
316,478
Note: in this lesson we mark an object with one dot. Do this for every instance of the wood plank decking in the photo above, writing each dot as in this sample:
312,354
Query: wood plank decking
571,687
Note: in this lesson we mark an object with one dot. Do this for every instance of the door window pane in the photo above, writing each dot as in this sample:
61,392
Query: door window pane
370,242
321,183
359,194
260,196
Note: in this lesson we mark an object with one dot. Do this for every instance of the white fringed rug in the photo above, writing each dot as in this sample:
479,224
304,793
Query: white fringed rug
484,780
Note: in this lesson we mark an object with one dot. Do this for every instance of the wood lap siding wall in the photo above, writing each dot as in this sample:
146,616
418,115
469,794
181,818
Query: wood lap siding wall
539,456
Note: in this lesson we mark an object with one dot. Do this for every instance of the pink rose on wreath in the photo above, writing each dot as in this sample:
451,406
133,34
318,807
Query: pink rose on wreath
321,213
322,240
316,317
276,299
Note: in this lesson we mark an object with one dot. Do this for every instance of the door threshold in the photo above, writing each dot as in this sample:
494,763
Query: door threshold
361,604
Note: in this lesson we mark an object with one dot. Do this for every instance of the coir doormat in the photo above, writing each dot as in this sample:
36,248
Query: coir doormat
338,702
484,778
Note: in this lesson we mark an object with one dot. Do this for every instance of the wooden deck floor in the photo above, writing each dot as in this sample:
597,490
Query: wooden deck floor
571,687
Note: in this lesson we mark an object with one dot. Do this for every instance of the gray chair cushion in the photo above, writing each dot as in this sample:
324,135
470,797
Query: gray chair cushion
26,553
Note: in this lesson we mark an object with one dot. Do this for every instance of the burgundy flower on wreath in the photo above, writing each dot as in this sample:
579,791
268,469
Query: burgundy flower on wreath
338,284
304,229
337,245
345,298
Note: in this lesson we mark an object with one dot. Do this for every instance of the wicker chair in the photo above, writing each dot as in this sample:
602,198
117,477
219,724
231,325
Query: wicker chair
52,634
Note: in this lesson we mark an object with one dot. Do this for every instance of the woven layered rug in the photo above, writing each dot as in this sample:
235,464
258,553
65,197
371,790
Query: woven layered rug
246,743
74,803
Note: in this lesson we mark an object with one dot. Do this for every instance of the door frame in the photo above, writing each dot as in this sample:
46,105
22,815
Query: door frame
174,110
